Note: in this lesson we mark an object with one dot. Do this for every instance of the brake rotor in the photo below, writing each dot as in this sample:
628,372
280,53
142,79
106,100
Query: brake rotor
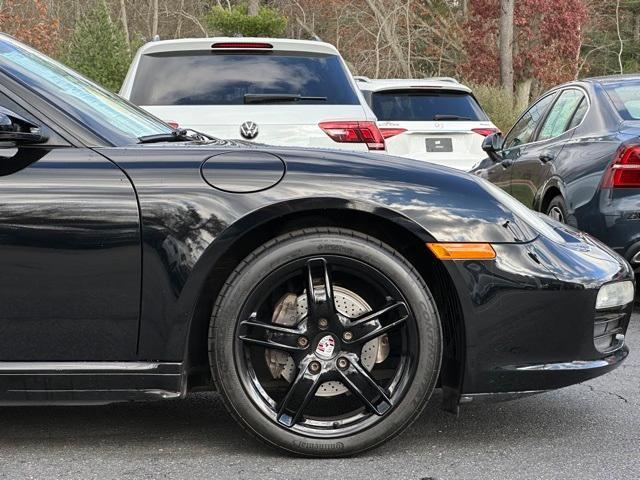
291,309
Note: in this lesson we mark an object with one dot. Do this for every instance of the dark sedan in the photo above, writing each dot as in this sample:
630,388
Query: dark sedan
575,156
323,294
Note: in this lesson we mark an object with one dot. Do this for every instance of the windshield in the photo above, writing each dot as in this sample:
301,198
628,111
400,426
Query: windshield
100,110
625,95
206,78
428,105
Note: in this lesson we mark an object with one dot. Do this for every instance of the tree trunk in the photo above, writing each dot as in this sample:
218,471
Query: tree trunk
523,93
254,6
179,24
506,45
125,23
154,22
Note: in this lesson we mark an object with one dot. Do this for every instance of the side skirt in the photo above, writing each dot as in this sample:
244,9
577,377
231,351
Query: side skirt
89,383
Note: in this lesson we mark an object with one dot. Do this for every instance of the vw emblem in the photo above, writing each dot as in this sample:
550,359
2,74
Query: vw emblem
249,130
325,347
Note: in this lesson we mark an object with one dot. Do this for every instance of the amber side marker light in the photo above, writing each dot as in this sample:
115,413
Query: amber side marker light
462,251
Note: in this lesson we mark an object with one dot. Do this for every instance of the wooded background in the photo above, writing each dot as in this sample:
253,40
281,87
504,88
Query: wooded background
508,50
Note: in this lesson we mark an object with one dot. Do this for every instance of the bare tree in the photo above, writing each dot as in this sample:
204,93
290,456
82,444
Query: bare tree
125,23
154,22
619,37
506,45
386,27
254,7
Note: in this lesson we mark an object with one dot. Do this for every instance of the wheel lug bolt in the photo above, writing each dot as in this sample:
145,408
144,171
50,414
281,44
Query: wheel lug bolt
314,367
348,336
323,323
343,363
303,342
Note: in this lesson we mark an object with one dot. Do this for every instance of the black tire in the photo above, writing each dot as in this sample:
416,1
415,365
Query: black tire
557,209
226,351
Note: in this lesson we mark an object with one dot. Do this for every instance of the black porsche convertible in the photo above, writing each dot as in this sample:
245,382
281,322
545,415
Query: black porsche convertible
323,294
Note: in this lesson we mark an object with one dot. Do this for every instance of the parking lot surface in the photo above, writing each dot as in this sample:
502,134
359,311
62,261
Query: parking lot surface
589,431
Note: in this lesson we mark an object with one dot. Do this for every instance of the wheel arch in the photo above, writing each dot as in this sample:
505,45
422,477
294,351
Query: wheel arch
551,189
240,239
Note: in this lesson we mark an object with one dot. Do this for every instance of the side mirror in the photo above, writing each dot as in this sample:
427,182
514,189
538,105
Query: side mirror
15,129
492,144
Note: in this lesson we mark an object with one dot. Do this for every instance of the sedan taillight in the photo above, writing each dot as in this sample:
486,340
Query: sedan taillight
354,132
624,171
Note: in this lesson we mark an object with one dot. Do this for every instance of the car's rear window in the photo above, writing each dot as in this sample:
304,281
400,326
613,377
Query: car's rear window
428,105
625,96
207,78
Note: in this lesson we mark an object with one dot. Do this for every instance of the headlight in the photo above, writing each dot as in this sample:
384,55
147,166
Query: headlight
615,295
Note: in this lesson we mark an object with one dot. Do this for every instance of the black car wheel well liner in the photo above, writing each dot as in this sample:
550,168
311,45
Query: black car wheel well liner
551,193
389,231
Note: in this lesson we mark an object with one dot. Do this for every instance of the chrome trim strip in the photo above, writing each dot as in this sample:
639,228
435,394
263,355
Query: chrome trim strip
77,366
497,396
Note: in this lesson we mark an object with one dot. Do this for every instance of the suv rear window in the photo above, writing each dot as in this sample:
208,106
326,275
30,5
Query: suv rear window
208,78
626,98
421,106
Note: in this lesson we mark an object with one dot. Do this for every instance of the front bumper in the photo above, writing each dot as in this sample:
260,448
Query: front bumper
530,318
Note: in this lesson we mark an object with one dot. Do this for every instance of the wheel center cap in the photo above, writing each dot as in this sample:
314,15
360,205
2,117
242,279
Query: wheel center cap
326,347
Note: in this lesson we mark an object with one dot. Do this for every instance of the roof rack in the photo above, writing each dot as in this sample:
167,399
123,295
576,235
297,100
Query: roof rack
362,78
442,79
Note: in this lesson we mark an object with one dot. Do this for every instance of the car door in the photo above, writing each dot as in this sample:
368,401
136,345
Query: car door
537,164
70,262
516,143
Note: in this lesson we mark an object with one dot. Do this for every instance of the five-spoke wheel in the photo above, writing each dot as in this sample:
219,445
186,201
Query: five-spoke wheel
325,343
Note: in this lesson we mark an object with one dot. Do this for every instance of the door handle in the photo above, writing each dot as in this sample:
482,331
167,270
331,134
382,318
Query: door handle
506,163
546,157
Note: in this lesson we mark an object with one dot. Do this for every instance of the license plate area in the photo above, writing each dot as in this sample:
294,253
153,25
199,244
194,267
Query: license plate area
438,145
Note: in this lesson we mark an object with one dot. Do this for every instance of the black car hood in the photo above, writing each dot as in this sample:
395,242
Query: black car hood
449,205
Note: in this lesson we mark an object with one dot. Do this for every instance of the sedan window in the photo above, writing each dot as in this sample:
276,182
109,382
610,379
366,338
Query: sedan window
523,130
579,114
625,96
557,122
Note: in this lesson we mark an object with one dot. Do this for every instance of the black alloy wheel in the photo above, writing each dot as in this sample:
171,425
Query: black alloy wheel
325,342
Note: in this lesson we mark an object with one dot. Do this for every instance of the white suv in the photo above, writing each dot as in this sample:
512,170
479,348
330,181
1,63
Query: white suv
434,119
276,91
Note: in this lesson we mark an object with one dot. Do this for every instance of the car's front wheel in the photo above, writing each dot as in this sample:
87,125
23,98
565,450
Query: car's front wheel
325,342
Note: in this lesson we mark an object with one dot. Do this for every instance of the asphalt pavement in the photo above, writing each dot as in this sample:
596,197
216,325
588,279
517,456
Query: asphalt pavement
588,431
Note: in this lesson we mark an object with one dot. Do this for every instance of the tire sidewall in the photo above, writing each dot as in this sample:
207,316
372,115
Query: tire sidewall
292,247
558,201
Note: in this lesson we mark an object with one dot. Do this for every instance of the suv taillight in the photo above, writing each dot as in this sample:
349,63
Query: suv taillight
485,132
354,132
624,171
391,132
